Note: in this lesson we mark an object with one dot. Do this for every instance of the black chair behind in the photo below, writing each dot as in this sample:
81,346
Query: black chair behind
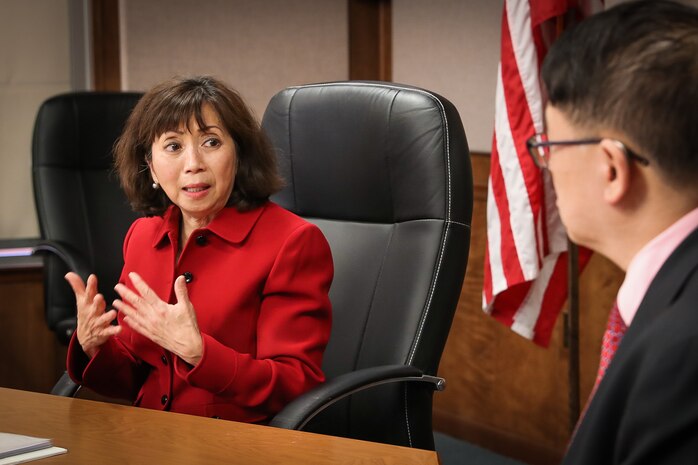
384,170
83,213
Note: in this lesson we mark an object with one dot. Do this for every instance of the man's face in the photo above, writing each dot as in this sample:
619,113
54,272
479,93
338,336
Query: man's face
572,168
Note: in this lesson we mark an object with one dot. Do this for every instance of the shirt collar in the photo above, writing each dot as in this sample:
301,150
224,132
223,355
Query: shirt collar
229,224
646,264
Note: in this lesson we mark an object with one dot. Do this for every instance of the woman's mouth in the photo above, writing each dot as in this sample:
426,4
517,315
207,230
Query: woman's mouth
196,190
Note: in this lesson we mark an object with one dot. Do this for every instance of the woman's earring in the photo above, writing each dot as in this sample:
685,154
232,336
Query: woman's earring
156,185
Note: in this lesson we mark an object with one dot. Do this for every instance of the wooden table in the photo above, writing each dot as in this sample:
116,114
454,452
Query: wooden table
102,433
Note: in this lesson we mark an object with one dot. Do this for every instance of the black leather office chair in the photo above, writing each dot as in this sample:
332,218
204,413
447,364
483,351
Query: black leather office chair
384,170
83,213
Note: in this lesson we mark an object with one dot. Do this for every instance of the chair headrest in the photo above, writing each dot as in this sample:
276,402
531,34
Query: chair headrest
77,130
369,151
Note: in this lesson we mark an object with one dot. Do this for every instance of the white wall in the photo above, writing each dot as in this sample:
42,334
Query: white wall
34,64
451,47
258,47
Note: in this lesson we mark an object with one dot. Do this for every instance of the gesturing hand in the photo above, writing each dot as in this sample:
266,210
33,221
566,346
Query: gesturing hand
94,325
172,327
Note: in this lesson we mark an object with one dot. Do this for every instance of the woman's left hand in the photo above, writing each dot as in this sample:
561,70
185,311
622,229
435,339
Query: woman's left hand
172,327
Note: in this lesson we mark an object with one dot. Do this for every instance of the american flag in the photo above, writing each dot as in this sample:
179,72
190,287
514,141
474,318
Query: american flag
525,283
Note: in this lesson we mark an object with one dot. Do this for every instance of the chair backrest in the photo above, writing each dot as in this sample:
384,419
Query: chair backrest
384,170
79,202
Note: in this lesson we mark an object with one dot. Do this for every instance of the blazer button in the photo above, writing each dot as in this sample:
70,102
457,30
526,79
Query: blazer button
201,240
164,360
188,277
163,399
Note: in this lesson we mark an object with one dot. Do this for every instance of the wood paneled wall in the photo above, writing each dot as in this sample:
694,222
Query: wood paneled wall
32,357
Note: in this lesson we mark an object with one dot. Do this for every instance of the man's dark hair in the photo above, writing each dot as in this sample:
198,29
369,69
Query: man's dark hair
634,69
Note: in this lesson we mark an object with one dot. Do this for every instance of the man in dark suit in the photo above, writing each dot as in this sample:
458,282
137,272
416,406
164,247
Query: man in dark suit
622,148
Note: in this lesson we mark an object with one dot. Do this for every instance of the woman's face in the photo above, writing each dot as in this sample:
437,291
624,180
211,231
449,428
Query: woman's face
196,169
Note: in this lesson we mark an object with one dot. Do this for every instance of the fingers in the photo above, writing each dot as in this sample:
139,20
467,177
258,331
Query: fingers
88,291
95,325
103,328
124,308
131,315
143,289
76,283
173,327
91,288
137,326
134,319
180,288
86,295
127,295
109,331
106,318
99,304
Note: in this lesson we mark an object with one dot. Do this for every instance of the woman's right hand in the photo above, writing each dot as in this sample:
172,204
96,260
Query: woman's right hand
94,324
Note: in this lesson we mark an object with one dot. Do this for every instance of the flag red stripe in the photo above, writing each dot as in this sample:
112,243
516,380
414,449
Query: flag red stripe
508,303
520,119
553,300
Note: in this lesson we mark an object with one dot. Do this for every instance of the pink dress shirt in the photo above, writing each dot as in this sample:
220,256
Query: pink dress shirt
646,264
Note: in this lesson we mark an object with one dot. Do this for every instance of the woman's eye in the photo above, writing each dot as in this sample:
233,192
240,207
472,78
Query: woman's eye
212,142
172,147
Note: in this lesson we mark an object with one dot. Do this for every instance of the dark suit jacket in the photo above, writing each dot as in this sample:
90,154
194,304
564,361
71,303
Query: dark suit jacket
645,410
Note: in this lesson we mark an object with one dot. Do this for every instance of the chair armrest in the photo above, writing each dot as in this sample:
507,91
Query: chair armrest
68,254
76,262
65,386
304,408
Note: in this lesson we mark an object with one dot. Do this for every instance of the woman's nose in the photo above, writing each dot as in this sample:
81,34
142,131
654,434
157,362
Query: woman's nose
193,160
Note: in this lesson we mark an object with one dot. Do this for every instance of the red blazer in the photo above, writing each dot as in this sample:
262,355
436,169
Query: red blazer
259,283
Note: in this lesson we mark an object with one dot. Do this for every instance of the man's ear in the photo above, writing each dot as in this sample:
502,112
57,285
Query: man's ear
616,171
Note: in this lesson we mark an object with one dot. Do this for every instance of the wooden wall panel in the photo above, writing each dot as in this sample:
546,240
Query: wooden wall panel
370,40
105,45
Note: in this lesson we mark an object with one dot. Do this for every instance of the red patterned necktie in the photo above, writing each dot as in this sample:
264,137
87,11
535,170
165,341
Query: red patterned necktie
615,328
611,340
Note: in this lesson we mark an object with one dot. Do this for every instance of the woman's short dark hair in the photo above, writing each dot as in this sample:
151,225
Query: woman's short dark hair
169,106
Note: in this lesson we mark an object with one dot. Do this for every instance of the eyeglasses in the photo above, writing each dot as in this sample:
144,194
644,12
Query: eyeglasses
539,148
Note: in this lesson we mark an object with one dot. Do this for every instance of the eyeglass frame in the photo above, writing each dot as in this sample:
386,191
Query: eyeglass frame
533,144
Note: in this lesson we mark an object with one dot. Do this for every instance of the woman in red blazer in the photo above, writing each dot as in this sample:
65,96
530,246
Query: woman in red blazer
224,307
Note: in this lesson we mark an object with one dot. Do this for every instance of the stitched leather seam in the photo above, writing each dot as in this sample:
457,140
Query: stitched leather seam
81,182
385,153
407,418
290,147
373,294
432,288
